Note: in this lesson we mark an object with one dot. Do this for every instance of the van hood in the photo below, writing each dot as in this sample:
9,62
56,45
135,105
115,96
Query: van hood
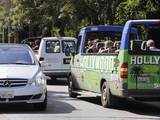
18,71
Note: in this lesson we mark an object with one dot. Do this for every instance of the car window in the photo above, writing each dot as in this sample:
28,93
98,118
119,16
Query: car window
52,47
15,56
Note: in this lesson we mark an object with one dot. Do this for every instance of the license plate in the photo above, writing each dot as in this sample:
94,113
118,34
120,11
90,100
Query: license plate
66,60
7,94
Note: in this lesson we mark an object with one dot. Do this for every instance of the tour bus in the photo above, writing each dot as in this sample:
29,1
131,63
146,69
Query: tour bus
51,54
117,62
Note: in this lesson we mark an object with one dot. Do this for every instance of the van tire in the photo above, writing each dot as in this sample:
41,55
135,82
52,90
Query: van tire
107,99
42,105
71,88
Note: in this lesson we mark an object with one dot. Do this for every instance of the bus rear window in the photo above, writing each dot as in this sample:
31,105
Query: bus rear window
147,42
102,42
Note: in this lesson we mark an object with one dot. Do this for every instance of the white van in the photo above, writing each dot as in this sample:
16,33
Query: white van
51,54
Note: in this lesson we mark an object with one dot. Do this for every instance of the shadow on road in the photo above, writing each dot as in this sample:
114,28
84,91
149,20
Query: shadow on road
59,81
131,106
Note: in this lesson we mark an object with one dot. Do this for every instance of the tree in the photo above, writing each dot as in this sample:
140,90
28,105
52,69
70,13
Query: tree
137,9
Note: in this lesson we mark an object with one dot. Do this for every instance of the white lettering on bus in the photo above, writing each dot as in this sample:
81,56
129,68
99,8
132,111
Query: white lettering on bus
150,60
133,60
140,60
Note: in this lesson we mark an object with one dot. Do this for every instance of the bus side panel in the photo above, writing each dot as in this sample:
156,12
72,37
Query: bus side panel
98,67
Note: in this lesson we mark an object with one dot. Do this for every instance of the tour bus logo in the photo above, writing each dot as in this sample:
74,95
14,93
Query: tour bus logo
6,83
147,60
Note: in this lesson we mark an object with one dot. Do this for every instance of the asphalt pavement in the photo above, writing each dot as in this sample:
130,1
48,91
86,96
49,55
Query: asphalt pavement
62,107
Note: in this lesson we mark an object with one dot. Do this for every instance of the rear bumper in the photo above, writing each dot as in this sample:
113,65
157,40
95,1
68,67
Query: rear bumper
57,73
142,95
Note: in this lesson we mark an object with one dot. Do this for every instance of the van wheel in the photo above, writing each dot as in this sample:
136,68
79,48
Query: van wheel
71,88
107,99
41,106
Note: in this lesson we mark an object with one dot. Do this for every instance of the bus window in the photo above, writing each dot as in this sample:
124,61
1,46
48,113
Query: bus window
148,42
102,42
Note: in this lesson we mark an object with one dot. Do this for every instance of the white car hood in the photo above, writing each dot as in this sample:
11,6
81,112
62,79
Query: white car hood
18,71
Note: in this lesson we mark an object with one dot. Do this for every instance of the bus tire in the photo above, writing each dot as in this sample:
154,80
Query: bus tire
107,99
71,88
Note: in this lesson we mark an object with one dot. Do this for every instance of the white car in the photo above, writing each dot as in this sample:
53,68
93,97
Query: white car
21,77
51,54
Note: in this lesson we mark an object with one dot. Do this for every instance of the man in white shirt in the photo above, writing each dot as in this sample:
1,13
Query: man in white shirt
151,45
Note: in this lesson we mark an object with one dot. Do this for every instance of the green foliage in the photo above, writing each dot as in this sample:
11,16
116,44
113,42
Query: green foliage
66,17
136,9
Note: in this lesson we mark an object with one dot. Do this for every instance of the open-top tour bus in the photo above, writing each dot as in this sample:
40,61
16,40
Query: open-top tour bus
129,69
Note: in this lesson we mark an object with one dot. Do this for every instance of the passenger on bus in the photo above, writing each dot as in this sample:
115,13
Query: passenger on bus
93,48
151,45
101,47
109,47
116,46
88,45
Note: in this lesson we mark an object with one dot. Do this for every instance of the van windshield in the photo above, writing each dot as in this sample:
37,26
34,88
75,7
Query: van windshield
148,41
68,44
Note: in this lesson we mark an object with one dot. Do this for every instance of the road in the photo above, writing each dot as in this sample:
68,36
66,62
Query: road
62,107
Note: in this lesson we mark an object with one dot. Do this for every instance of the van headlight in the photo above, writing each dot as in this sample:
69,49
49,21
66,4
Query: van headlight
38,80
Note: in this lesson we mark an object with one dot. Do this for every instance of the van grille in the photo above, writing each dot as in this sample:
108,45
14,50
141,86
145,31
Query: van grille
13,82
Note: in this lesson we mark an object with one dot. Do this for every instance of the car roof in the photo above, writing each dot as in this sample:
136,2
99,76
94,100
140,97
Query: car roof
14,45
58,38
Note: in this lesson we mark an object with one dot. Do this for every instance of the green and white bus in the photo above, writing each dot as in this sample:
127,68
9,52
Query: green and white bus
117,62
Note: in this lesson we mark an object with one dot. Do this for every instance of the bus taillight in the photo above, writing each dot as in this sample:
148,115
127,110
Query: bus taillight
124,70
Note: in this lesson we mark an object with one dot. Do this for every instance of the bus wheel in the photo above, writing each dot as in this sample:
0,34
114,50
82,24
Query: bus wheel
71,88
107,99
